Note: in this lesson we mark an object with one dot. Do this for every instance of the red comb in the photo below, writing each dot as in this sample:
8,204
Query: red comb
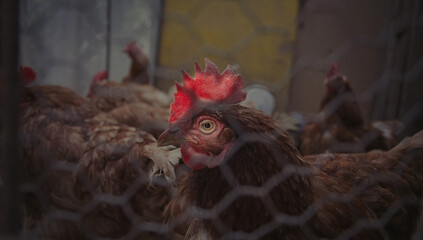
132,49
27,74
207,88
333,71
100,76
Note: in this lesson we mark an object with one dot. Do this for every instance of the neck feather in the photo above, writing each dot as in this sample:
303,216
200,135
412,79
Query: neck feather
262,155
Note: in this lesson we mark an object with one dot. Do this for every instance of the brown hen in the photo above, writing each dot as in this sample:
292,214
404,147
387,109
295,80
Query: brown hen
389,182
249,181
139,115
138,72
87,177
133,102
340,126
135,87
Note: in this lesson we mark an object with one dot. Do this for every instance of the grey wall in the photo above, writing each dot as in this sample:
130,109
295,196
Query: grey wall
65,40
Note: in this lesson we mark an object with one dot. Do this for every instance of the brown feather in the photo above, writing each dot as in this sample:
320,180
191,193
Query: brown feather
340,126
79,161
267,158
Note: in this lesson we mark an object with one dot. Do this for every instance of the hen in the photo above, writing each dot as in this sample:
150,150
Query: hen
87,177
139,115
138,71
108,95
134,102
249,181
340,125
384,181
131,110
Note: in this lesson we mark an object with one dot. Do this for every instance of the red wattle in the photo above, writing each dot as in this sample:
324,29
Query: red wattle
189,160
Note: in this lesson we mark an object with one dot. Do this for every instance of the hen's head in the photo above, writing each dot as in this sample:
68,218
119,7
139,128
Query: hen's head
133,50
196,115
334,81
98,78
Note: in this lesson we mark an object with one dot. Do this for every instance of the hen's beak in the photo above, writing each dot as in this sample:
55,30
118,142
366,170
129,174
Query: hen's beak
169,137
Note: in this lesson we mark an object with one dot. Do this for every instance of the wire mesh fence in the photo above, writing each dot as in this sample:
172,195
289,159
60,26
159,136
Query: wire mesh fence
111,166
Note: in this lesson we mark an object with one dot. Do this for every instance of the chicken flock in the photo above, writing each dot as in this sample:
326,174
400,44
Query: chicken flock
125,162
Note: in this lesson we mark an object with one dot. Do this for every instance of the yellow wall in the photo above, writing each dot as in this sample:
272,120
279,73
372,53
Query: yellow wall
258,36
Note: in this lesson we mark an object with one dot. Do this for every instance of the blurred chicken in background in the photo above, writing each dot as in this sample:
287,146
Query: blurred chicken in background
134,102
72,158
135,87
140,64
340,125
75,153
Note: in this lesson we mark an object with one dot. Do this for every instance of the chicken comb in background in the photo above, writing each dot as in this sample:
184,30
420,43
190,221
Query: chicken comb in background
27,74
333,71
209,87
335,81
138,71
132,49
98,77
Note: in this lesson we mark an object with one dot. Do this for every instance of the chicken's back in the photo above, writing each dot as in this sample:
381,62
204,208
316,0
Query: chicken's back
59,103
389,182
90,168
125,166
109,95
51,120
52,141
143,116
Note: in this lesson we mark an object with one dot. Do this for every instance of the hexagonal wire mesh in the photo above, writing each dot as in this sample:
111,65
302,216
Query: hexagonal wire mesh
87,177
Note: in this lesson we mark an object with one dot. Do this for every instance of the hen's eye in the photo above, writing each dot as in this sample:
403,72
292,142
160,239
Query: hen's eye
207,126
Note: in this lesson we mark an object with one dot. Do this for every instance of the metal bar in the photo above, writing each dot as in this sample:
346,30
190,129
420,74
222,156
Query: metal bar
11,224
157,40
108,34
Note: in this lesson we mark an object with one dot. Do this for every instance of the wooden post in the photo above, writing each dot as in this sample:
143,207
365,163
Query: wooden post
10,224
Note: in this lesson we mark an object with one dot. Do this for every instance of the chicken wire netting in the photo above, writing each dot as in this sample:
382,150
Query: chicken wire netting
89,173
